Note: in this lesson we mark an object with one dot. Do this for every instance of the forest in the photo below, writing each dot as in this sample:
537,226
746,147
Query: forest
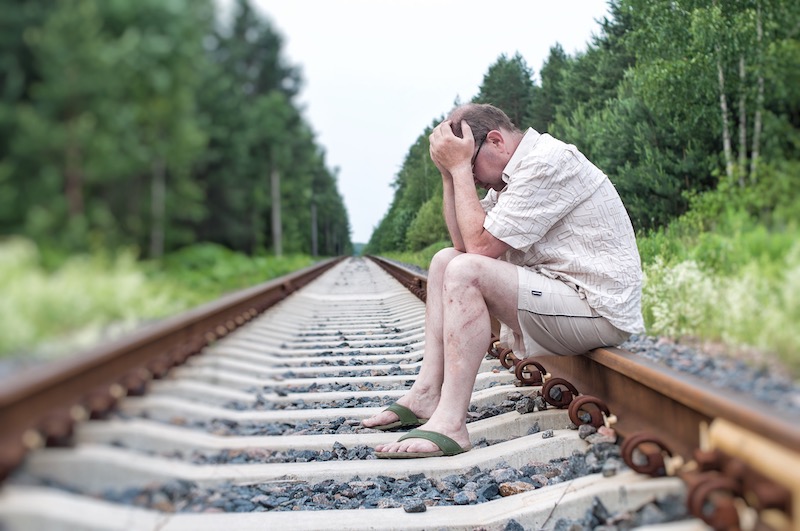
155,124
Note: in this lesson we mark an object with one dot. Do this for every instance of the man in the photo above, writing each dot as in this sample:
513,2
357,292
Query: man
550,252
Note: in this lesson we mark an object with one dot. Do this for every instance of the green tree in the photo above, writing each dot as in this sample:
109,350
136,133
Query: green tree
508,84
161,77
415,184
428,226
548,97
143,123
57,151
17,75
257,136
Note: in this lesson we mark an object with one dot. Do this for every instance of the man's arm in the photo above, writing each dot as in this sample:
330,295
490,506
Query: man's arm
449,211
470,217
462,209
448,202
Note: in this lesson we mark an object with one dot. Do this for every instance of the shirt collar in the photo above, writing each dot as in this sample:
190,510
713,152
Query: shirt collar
528,140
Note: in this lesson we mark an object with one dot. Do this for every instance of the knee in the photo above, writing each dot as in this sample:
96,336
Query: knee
464,270
442,258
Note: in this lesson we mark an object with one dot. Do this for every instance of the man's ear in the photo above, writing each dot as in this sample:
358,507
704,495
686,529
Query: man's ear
495,138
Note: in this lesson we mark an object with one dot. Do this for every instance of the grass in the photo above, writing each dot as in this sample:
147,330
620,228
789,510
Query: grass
420,258
48,312
736,285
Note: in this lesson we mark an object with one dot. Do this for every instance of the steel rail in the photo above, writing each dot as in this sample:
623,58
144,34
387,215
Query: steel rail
653,398
415,282
41,405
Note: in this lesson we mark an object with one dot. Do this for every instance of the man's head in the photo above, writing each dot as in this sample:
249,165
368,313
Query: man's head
481,118
493,132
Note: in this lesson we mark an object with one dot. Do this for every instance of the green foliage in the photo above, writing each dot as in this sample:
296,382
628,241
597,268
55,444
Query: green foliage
151,125
751,301
69,306
550,95
428,226
644,102
692,108
85,292
727,269
420,258
208,270
508,84
417,183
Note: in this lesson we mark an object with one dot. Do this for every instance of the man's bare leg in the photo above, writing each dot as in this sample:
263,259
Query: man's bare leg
423,396
475,287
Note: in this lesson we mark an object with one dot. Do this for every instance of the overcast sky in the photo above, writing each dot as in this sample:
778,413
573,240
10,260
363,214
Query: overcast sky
377,72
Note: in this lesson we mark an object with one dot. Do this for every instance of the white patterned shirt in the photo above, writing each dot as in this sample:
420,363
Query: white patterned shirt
564,219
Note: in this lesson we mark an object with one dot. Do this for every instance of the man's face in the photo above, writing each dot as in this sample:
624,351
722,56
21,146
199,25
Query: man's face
484,173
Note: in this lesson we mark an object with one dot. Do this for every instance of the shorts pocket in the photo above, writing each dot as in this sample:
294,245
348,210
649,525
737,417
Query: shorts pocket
552,297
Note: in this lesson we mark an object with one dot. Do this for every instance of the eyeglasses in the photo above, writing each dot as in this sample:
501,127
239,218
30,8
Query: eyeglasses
475,156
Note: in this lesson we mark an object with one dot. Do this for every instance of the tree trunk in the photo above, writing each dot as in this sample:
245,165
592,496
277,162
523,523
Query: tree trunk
328,239
158,194
314,249
259,205
723,105
277,229
759,98
73,181
742,121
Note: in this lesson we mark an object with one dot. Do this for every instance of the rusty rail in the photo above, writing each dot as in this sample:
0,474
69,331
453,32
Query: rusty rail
653,398
416,283
40,406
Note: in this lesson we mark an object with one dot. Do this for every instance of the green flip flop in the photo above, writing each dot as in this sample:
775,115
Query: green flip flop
447,446
407,419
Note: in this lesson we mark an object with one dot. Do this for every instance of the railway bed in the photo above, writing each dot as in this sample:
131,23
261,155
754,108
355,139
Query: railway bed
246,415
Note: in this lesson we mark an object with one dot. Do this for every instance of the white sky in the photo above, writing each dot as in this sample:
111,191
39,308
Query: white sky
377,72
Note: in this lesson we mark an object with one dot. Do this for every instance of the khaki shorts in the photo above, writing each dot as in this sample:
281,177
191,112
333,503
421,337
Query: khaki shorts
556,319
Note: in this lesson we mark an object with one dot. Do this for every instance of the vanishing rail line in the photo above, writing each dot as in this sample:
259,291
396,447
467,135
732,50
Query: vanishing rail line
263,426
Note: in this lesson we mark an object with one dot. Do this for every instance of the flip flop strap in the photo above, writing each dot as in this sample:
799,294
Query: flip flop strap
447,445
406,416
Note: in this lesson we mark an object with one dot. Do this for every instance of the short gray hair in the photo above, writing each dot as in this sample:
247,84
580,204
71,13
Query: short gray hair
482,118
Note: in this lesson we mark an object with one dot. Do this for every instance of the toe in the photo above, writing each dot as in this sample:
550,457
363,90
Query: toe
420,445
382,418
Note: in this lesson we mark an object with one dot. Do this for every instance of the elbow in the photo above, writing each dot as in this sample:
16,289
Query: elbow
482,250
472,249
486,245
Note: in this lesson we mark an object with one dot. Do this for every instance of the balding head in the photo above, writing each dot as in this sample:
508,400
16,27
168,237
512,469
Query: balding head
481,118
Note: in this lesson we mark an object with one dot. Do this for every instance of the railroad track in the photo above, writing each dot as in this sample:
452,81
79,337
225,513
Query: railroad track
245,414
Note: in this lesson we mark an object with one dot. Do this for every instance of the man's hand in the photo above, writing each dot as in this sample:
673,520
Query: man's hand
449,153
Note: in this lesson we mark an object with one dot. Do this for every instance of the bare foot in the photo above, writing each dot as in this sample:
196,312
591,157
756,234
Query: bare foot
421,408
381,419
